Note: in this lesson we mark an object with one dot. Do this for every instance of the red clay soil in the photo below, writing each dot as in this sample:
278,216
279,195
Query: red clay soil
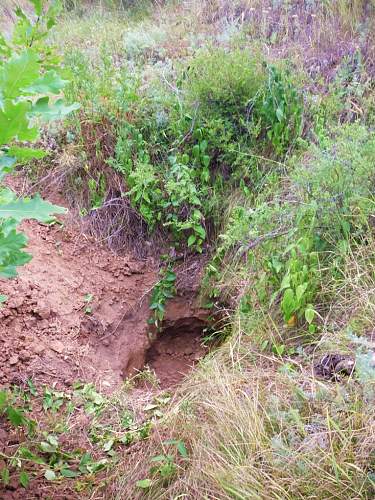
78,311
51,330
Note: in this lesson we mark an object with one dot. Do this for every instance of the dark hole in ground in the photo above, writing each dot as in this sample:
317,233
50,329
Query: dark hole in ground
176,349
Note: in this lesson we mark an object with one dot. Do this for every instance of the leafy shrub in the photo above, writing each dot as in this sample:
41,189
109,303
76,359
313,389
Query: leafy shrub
30,80
162,291
241,101
93,84
336,187
293,248
144,41
166,194
281,111
224,84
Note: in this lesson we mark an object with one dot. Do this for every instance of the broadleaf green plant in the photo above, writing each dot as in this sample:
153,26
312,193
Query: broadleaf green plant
28,68
29,77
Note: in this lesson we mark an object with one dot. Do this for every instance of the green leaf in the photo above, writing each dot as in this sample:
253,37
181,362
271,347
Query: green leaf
203,145
108,445
278,349
17,73
47,447
37,6
200,231
144,484
49,83
53,440
170,277
5,476
15,416
3,399
160,458
7,161
25,154
3,298
53,11
182,449
14,123
24,479
279,114
300,290
206,160
191,240
85,459
6,165
11,244
69,473
26,453
5,51
195,151
285,283
288,304
309,314
30,208
50,475
32,387
55,111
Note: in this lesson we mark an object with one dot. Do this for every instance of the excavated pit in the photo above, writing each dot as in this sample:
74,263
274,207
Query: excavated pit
77,311
176,349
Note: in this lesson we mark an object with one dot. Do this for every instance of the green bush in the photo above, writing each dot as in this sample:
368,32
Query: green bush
337,186
294,246
224,84
244,105
281,111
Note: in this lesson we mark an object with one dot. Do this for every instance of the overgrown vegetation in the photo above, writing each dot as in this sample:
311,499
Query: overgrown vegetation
29,75
252,143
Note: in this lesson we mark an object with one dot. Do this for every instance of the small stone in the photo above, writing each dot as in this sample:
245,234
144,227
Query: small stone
25,355
13,360
38,348
16,302
43,309
106,342
30,322
57,346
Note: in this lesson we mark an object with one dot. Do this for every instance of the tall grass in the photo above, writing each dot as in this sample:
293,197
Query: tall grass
257,422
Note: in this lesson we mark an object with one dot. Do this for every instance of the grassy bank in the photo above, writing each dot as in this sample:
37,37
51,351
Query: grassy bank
244,132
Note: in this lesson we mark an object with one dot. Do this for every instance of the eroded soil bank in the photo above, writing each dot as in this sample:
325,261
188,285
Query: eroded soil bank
79,311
